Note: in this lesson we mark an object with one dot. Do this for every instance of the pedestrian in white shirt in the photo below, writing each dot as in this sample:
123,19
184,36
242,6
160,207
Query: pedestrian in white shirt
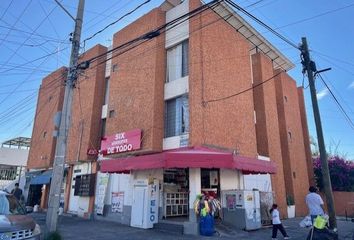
314,203
277,223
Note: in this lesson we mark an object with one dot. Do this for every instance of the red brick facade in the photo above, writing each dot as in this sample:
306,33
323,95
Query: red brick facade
50,101
292,141
137,83
86,112
216,49
267,125
268,120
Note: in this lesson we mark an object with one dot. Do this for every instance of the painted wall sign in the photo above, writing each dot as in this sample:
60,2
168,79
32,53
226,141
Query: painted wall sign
121,142
117,202
153,202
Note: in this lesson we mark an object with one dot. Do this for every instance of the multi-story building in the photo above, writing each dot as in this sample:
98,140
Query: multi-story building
205,105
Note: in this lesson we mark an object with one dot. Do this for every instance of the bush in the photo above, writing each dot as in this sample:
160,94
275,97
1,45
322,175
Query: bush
54,236
341,172
290,200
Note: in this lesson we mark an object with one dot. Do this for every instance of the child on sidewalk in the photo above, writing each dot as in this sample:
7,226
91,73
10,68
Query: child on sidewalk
277,223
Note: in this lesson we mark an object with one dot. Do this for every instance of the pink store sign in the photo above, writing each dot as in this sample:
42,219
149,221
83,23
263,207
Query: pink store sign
121,142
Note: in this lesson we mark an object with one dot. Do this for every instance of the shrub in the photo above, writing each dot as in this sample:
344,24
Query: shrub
54,236
290,200
341,172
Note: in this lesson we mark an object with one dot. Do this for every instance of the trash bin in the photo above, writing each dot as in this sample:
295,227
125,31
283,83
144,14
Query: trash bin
206,225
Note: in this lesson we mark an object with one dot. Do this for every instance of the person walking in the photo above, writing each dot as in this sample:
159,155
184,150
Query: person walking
277,223
17,192
314,203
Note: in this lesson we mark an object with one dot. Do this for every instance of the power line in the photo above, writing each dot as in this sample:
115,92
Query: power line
106,16
157,31
243,91
262,23
40,24
316,16
18,19
253,4
8,95
348,119
6,10
34,34
337,59
34,60
111,24
50,22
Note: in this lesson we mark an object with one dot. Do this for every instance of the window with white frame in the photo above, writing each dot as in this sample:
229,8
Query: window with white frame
177,61
176,116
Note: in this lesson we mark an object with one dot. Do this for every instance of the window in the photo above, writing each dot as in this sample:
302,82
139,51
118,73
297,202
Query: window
103,128
106,91
112,113
177,61
44,134
177,116
114,68
290,136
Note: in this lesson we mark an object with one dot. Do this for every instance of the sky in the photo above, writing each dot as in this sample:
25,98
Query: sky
34,41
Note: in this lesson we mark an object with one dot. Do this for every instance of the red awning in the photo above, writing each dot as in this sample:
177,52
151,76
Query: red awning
191,157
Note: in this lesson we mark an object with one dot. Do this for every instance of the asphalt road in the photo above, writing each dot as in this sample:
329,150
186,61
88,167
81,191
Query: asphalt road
81,229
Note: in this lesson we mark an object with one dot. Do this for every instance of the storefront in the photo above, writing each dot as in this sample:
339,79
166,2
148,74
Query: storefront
81,189
181,174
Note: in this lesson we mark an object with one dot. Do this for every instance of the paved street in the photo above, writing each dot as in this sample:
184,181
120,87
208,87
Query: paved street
77,228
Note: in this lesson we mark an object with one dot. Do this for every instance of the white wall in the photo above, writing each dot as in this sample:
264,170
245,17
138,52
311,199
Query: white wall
13,156
181,31
230,179
77,204
176,88
120,183
260,181
124,183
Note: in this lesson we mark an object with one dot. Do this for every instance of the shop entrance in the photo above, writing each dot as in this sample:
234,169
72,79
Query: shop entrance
210,182
34,195
175,193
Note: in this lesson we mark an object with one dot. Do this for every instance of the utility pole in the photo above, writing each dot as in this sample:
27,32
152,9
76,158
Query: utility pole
309,67
64,124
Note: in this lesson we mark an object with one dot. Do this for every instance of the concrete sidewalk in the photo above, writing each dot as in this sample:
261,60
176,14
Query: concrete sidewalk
80,229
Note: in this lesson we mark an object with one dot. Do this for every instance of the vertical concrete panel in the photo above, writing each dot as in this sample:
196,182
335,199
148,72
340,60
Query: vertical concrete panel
194,189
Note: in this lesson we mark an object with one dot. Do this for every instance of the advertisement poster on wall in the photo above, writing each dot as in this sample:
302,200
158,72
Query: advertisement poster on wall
214,180
101,188
117,202
231,201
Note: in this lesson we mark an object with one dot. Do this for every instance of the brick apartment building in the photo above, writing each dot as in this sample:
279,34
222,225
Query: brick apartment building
198,102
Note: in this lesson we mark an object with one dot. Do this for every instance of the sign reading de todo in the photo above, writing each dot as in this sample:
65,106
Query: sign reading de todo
121,142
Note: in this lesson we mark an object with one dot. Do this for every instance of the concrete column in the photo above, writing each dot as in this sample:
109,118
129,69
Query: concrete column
241,180
191,227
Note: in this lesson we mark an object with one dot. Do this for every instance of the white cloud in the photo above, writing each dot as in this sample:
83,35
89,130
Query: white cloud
351,86
321,94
